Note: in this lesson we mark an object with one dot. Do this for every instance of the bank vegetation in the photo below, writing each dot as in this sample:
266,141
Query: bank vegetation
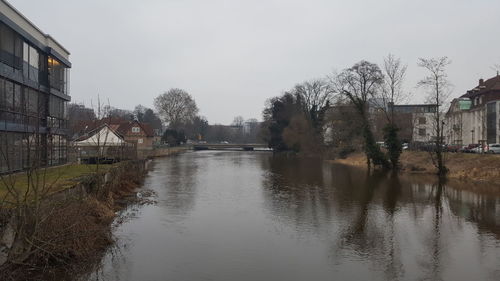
335,115
48,230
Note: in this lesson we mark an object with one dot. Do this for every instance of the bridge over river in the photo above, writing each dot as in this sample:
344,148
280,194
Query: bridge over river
230,146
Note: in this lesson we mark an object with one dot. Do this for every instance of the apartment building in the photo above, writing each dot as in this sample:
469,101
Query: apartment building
475,116
34,91
418,120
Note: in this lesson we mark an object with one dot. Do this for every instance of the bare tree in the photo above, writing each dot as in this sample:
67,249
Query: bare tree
177,107
438,86
317,94
26,191
358,84
392,93
496,68
238,121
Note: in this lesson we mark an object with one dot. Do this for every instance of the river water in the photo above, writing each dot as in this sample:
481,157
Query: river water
237,216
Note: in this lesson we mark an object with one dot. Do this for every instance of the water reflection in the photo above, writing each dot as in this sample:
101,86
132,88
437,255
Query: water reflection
179,185
255,216
405,226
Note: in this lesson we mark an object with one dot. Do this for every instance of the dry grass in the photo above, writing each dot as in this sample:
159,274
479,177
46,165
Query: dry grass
462,166
56,178
75,232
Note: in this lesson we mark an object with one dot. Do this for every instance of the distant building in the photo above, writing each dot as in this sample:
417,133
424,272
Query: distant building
475,116
133,132
416,121
34,90
138,133
103,144
459,122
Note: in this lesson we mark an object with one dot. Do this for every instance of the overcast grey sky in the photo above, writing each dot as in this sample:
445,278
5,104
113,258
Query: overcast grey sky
233,55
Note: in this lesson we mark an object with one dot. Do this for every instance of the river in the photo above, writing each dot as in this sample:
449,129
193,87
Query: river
237,216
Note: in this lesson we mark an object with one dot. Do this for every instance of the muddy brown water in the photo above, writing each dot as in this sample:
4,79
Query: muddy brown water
254,216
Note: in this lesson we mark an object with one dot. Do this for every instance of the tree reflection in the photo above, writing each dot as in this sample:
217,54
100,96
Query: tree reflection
294,191
179,185
392,221
436,249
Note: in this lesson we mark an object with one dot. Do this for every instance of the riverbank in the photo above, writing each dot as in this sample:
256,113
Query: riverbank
462,166
168,151
69,229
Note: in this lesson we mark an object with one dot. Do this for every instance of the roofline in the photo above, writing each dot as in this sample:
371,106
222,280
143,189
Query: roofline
100,127
34,26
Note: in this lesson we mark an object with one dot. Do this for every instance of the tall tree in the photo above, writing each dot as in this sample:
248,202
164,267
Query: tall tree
139,112
277,115
392,93
437,85
147,115
76,114
176,107
238,121
197,129
113,112
316,96
358,84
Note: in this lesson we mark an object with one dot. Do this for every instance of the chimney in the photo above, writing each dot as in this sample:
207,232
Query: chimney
481,82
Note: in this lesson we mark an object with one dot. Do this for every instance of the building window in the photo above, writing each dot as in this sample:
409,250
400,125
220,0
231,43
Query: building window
422,120
421,132
136,130
58,75
139,141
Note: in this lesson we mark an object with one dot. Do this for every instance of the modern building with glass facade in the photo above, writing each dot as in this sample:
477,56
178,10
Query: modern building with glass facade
34,91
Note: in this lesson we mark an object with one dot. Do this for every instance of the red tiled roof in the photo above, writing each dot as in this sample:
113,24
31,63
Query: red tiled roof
492,84
125,127
118,125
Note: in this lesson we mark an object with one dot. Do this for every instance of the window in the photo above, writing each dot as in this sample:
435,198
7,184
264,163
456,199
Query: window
139,141
26,59
136,130
31,62
7,45
58,75
18,100
9,95
2,94
421,132
32,101
422,120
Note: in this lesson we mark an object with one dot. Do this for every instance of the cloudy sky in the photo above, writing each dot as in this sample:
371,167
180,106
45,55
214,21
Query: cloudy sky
232,55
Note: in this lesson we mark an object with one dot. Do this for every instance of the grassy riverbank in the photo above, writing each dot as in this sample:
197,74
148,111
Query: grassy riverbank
55,178
462,166
68,231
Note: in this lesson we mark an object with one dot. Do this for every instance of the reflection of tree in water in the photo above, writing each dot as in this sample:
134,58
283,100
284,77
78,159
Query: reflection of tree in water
294,190
401,224
369,235
394,268
180,184
433,240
